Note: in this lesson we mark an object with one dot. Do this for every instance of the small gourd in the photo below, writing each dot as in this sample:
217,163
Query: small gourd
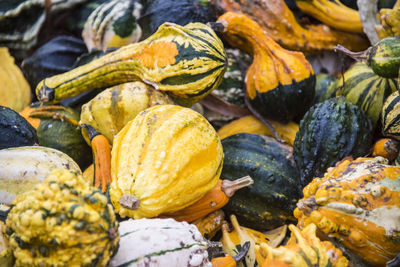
387,148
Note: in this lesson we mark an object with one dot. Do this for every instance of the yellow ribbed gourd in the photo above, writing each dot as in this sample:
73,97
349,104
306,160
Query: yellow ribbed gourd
164,160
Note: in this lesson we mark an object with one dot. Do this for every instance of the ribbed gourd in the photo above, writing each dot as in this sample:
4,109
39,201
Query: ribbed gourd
114,107
113,24
187,62
391,116
140,245
279,83
329,132
62,222
270,201
362,87
164,160
357,202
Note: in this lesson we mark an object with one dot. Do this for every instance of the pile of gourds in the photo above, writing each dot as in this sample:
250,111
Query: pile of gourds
196,132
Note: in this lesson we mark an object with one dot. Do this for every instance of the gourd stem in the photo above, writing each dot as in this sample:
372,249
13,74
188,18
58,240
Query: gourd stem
358,56
90,130
230,187
129,202
53,115
307,205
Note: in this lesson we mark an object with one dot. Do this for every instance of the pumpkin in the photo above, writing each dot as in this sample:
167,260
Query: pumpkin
113,24
356,202
164,160
15,92
330,131
190,66
278,21
387,148
114,107
57,127
390,116
210,224
270,201
21,168
303,249
279,83
61,222
15,130
325,87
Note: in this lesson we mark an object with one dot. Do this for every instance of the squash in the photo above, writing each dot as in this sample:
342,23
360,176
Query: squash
15,92
384,57
210,224
6,256
23,167
191,65
113,24
325,87
389,21
303,249
61,222
362,87
279,83
164,160
114,107
278,21
387,148
15,130
390,116
329,132
270,201
250,124
229,261
357,202
57,127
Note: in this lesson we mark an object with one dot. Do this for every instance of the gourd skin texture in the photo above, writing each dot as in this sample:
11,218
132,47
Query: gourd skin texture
110,110
187,62
330,131
62,222
384,57
168,157
279,83
325,87
270,201
367,90
390,116
358,202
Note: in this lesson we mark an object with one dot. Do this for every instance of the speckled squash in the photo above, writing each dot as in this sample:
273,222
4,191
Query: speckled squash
330,131
384,57
387,148
279,83
187,62
391,116
270,201
164,160
113,108
62,222
357,202
181,244
210,224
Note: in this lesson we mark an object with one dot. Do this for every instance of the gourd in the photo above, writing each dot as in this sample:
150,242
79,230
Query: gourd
303,249
113,24
187,62
278,21
6,255
61,222
164,160
329,132
325,87
15,130
387,148
367,90
357,203
333,14
250,124
21,168
210,224
270,201
390,116
114,107
15,92
279,83
389,19
57,127
182,244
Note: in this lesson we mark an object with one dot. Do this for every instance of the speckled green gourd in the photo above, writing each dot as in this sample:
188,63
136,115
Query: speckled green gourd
384,57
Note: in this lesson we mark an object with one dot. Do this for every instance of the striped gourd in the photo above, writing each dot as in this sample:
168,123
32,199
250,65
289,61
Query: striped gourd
160,242
187,62
391,116
366,89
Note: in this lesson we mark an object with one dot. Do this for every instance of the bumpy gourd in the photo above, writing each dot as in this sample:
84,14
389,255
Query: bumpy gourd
357,202
62,222
187,62
6,255
279,83
164,160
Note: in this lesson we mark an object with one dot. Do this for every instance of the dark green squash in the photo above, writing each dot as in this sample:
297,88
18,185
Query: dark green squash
270,201
15,130
328,132
325,87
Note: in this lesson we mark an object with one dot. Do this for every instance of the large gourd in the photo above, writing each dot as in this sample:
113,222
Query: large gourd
187,62
164,160
279,83
357,202
330,131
